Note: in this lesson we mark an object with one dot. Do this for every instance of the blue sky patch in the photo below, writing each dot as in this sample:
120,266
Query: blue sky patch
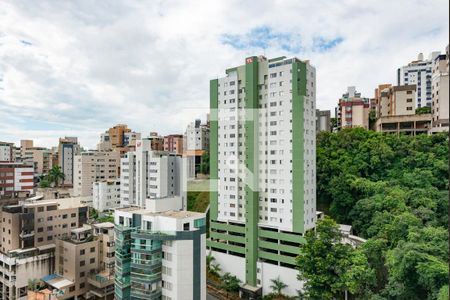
264,37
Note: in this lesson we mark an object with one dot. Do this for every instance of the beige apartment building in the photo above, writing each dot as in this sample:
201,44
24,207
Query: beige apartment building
84,265
353,110
68,147
90,167
395,100
440,93
407,124
28,233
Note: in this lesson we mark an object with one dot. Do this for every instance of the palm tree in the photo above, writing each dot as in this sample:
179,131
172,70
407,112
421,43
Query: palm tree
215,269
230,283
55,174
33,284
277,286
209,260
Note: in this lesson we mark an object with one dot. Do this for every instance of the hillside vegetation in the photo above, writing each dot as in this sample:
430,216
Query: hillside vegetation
394,192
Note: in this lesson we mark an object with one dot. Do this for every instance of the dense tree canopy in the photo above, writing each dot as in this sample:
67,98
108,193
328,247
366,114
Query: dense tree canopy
393,190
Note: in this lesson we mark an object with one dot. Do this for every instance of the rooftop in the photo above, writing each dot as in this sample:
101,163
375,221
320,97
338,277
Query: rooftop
171,214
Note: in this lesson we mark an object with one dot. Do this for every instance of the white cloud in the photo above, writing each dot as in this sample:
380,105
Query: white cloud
80,67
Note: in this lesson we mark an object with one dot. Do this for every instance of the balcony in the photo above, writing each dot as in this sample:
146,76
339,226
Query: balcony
101,280
26,234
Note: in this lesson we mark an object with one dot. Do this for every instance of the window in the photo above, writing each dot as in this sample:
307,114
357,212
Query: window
92,249
82,252
186,226
82,274
82,285
92,260
409,100
409,108
82,263
273,75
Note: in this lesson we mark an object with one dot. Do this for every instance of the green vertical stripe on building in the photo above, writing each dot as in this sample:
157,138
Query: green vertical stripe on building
213,147
298,98
251,162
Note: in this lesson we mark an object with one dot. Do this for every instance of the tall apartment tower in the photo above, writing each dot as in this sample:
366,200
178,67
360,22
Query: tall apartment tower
67,149
418,72
262,169
149,174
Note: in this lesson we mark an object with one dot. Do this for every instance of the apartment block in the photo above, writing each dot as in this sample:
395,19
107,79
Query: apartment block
106,194
6,152
419,73
93,166
146,173
196,142
84,265
40,158
353,110
118,137
440,93
396,101
160,255
262,170
28,232
15,179
67,149
323,120
406,124
173,143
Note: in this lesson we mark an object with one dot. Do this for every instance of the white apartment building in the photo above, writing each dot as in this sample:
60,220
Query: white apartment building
263,155
106,194
6,152
196,136
418,72
440,95
93,166
67,149
149,174
168,254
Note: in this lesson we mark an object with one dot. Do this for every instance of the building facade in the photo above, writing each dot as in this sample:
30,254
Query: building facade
323,120
418,72
106,194
28,233
174,143
196,142
93,166
406,124
6,152
440,94
396,101
118,137
353,110
149,174
160,255
84,265
262,170
67,149
15,179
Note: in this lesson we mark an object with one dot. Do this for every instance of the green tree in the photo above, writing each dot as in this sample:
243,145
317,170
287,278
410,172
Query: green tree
230,283
277,286
55,175
44,183
215,269
328,267
418,266
209,260
204,166
423,110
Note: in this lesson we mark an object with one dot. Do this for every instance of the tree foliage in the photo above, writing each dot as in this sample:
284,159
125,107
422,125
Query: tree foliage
393,190
329,268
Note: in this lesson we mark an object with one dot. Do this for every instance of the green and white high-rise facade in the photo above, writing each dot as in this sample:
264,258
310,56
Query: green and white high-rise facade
263,169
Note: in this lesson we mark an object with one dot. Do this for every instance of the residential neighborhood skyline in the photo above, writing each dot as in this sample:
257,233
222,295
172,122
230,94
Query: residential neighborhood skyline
76,92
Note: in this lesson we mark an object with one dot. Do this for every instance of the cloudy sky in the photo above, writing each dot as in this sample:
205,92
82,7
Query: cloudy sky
78,67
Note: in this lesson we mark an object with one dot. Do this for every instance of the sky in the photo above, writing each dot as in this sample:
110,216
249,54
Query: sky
76,68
